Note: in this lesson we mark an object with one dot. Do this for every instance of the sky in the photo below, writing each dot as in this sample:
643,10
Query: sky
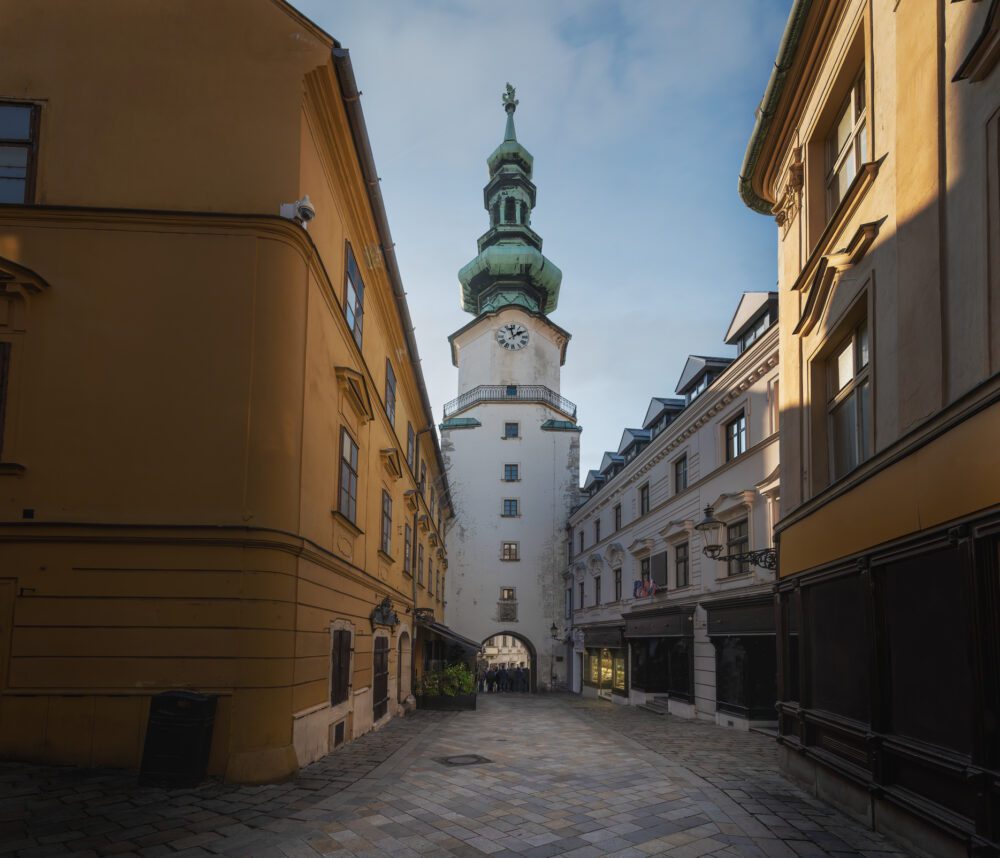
637,113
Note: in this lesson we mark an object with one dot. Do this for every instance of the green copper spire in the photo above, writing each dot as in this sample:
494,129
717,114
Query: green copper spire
510,268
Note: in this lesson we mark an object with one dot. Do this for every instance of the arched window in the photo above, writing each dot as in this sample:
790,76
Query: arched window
509,213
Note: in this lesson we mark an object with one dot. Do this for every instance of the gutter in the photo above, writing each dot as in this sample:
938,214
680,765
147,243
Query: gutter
769,104
351,98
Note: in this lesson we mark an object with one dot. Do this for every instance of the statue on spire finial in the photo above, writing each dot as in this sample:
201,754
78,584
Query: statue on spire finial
509,102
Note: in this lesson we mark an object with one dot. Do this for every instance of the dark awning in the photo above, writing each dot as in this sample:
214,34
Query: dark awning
449,634
603,636
678,622
755,618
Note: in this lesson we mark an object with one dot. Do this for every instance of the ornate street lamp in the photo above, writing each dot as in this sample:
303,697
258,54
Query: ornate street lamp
711,527
554,631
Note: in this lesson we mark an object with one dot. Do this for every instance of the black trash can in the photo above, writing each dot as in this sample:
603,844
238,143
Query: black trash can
178,738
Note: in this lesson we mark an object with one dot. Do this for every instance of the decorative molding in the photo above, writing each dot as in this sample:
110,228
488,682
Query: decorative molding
641,546
16,278
424,522
412,500
384,615
615,552
391,462
355,387
820,287
790,201
985,53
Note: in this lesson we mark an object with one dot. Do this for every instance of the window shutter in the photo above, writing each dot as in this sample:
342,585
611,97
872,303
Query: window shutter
659,569
345,664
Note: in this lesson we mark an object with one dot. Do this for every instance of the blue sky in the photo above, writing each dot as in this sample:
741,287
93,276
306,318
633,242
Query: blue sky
637,114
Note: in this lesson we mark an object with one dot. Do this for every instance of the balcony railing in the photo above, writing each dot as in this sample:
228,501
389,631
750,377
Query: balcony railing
510,393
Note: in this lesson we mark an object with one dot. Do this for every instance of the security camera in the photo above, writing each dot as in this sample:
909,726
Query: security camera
301,211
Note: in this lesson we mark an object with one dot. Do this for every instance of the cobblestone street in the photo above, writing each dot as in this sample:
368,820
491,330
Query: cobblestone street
564,777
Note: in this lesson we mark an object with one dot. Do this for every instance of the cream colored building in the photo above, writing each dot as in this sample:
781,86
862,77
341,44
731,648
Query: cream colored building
877,151
218,465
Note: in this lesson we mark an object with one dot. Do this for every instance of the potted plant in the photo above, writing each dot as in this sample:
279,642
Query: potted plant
451,688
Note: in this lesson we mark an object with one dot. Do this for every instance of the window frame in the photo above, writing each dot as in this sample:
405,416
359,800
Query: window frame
506,430
385,534
618,517
351,464
583,593
354,314
856,144
618,584
29,145
411,442
506,478
680,468
597,590
678,561
338,671
420,564
644,499
738,545
837,397
510,508
739,448
597,530
645,569
390,392
407,549
510,552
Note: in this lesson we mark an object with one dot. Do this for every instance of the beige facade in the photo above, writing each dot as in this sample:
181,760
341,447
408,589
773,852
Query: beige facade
877,150
182,383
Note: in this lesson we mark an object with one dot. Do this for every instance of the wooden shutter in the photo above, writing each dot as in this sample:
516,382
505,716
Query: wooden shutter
340,666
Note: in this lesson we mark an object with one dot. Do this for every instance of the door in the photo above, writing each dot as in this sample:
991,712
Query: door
6,626
380,684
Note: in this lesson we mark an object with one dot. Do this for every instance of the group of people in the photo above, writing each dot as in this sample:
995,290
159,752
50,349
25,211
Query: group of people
494,680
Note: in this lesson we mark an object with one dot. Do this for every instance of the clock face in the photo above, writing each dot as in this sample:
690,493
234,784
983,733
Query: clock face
512,336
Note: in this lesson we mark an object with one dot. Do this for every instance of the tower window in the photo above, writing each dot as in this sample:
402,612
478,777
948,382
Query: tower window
510,551
512,430
510,209
511,508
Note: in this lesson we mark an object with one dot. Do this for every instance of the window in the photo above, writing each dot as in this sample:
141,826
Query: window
410,444
437,584
569,603
348,504
354,297
507,594
643,498
431,505
681,474
423,477
849,404
597,531
4,376
644,569
738,542
618,585
420,564
681,567
510,551
736,437
597,589
510,508
407,550
390,392
845,146
511,473
759,328
386,542
340,666
618,517
18,146
583,593
430,576
580,536
511,430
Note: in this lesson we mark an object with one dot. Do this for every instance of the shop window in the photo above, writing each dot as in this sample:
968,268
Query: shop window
680,671
348,504
354,297
18,152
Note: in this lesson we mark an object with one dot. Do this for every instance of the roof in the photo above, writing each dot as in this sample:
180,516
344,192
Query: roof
633,436
593,477
611,459
659,404
695,367
749,309
451,634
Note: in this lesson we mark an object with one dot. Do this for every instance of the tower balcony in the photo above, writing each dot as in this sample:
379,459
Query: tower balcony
510,393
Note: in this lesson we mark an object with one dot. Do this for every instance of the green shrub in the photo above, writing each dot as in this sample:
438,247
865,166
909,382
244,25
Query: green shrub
452,680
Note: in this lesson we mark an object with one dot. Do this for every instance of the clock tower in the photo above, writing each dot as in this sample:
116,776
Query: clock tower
510,439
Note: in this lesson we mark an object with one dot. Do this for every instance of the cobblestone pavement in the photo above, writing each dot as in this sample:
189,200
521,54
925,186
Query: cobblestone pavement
564,777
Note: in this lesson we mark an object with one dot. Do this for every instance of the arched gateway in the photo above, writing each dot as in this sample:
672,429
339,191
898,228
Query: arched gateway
512,649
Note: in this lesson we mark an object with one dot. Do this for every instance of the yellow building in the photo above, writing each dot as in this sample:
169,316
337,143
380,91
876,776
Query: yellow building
876,149
217,459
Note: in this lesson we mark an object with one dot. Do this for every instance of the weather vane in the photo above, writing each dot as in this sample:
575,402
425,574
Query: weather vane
509,102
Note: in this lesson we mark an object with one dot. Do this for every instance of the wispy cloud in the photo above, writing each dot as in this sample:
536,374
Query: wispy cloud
637,114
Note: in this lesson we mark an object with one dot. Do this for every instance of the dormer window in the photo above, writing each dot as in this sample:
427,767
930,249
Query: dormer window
756,330
701,387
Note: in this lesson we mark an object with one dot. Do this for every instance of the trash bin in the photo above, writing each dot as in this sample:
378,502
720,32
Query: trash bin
178,738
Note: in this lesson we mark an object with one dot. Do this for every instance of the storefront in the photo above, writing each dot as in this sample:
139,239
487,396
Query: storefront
605,663
662,645
745,658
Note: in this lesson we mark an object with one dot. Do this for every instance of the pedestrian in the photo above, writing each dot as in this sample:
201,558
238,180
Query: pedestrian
503,678
491,678
518,676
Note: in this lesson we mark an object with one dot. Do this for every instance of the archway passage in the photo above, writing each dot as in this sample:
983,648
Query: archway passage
513,653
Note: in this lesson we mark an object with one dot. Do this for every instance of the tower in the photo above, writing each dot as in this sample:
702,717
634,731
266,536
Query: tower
510,439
